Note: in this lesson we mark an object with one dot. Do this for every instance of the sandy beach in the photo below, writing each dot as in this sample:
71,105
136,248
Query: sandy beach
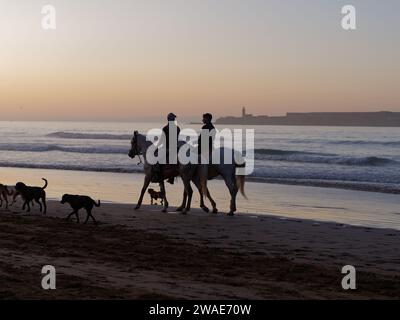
147,254
283,114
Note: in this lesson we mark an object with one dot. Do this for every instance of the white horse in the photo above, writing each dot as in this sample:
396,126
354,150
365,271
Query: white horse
226,168
139,147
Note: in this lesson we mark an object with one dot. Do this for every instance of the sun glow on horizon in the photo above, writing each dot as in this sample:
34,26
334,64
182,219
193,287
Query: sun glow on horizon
141,59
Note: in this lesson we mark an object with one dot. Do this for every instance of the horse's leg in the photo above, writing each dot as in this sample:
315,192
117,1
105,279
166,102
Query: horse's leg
147,180
185,172
183,205
231,184
202,205
202,179
189,192
213,203
196,181
164,194
202,174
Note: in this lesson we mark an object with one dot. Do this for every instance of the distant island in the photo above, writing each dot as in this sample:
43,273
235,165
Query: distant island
359,119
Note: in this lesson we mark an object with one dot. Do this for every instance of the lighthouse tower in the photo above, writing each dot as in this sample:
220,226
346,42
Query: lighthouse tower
243,112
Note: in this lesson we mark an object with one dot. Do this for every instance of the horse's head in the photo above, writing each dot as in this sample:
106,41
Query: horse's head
135,150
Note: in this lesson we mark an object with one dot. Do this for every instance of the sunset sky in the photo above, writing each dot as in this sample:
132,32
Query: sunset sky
140,59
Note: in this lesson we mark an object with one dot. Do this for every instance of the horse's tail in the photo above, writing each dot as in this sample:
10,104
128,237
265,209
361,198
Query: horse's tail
240,180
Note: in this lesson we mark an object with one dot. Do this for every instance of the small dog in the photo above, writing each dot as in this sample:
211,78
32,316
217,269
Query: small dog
4,193
155,195
78,202
30,194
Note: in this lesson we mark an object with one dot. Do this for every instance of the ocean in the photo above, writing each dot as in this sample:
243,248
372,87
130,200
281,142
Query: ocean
311,169
341,157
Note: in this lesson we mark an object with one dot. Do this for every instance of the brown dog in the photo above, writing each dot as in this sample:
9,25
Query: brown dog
78,202
30,194
4,193
155,195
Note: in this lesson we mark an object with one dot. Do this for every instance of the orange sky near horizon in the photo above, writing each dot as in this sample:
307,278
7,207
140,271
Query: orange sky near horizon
127,60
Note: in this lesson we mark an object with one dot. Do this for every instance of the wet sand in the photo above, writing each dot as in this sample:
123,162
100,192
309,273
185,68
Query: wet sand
375,210
147,254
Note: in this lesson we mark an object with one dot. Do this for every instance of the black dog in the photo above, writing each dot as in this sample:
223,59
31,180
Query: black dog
4,193
29,194
78,202
155,195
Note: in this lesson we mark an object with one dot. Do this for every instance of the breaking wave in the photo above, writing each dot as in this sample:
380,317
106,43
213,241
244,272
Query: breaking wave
364,142
69,149
88,136
72,167
260,154
309,157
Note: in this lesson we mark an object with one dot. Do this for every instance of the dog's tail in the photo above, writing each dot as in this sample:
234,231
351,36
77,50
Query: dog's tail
45,183
97,204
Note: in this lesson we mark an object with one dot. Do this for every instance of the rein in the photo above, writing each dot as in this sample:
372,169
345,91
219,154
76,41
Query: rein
140,160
